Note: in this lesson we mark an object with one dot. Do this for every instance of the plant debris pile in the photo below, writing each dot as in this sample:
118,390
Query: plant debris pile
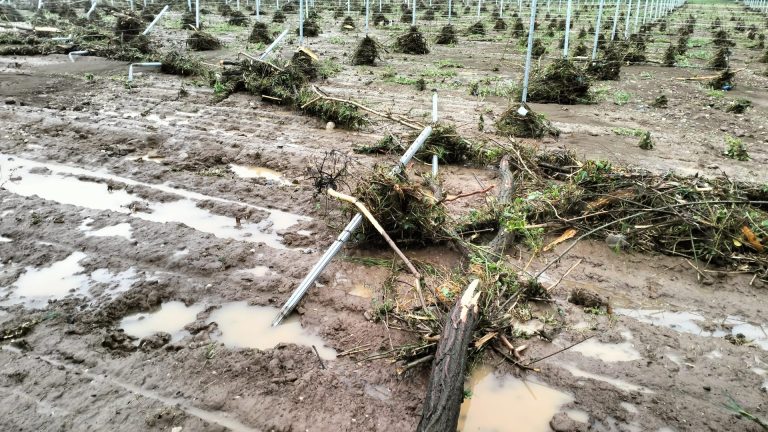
202,41
645,141
237,18
127,26
278,17
287,84
408,211
608,67
445,142
720,59
412,42
525,123
561,82
477,28
447,36
311,28
348,24
724,81
9,13
661,101
739,106
670,55
366,53
178,63
260,33
188,21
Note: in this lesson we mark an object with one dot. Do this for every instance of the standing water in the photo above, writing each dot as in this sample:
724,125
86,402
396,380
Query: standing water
503,402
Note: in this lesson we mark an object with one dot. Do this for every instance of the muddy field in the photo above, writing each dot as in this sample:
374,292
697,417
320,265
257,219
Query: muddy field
150,231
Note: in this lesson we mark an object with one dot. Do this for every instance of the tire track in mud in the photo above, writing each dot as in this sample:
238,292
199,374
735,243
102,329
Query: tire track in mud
216,417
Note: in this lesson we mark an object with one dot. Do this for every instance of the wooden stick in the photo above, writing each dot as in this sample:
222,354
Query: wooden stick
564,275
708,77
362,107
415,363
380,229
468,194
250,57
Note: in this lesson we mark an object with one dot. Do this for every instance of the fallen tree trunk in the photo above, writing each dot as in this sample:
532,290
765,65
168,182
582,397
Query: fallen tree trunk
445,391
503,239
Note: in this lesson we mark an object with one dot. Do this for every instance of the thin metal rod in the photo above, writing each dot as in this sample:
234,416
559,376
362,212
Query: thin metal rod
637,15
75,53
568,8
626,20
301,23
197,14
434,107
273,45
527,73
130,68
615,19
597,30
154,21
90,11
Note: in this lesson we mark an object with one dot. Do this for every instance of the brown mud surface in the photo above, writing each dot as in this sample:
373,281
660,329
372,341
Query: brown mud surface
82,152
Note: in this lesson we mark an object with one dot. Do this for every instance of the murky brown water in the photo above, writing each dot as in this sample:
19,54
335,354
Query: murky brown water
245,326
505,403
170,318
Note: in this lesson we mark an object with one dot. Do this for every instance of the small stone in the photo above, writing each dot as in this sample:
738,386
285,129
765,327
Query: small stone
724,128
10,101
616,241
330,126
707,388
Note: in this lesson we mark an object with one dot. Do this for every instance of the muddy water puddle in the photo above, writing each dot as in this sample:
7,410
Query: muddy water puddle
608,352
119,230
698,325
170,318
503,402
252,171
149,157
61,184
36,286
245,326
618,383
258,271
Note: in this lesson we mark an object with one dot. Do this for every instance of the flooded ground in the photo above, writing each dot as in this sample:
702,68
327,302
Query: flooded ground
151,238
